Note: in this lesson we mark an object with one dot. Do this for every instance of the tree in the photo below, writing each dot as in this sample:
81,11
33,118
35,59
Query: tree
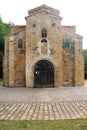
85,62
4,30
0,18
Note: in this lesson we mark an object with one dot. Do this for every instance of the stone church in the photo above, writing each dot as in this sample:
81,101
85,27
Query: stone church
43,53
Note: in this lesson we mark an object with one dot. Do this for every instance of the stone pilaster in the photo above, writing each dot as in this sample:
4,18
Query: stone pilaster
11,62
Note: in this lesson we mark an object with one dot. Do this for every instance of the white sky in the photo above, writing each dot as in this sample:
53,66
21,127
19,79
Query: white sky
73,12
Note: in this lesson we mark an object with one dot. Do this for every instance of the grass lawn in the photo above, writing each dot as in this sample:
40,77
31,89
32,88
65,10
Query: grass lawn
1,79
76,124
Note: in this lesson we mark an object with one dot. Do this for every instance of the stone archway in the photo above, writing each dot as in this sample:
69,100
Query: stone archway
44,74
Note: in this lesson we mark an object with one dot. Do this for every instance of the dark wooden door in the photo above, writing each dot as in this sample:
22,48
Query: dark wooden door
44,74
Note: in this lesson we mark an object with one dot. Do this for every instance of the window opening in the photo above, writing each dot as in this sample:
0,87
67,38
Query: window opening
20,43
67,43
44,32
43,41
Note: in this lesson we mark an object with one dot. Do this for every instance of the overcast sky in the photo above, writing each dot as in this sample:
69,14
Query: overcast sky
73,12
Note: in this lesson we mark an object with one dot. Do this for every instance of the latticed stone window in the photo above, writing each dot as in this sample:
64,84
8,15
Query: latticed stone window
44,32
20,43
67,41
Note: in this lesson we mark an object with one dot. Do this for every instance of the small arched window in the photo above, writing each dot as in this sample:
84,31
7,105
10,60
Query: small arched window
43,41
20,43
44,32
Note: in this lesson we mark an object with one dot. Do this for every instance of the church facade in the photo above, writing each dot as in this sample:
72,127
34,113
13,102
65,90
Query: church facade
43,53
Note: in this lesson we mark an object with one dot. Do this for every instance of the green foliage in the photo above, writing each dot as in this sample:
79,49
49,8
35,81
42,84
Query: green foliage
0,19
85,62
1,79
4,30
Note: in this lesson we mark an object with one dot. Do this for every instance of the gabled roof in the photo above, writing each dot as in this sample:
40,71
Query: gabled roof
68,30
44,8
17,27
15,32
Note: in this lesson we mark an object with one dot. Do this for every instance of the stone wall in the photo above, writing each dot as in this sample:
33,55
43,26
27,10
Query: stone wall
79,63
19,59
68,67
14,61
73,61
68,61
35,50
6,63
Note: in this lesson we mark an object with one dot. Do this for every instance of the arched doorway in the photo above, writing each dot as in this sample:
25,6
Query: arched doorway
44,74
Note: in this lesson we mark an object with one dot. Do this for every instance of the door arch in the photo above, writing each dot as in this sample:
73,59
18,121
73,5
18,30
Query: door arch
44,74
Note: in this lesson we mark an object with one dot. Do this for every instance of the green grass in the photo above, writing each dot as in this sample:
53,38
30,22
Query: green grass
1,79
76,124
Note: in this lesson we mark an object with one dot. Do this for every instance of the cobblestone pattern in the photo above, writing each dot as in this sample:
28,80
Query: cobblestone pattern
43,104
43,110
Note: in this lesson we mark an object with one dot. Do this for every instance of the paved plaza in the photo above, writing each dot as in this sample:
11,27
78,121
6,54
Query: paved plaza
43,103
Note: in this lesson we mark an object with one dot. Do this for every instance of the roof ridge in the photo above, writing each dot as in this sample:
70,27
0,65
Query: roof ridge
17,31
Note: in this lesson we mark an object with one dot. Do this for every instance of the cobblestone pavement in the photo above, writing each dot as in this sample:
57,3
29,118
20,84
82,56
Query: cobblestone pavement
43,103
43,110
